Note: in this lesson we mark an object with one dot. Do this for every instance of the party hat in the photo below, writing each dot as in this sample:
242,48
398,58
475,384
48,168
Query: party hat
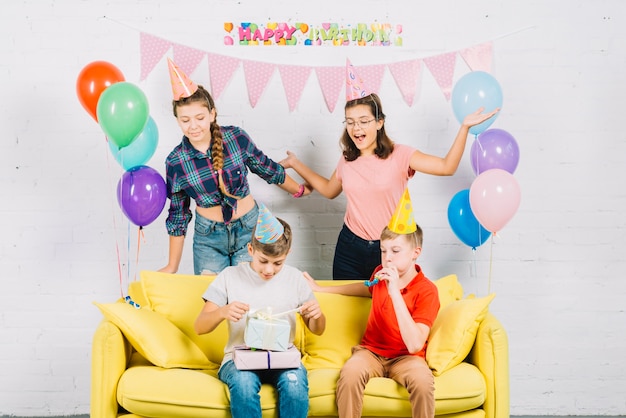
355,86
182,86
268,228
402,221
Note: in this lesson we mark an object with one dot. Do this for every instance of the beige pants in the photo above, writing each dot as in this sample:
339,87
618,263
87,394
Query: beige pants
412,372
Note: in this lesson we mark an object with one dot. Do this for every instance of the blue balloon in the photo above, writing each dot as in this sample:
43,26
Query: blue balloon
463,222
473,91
140,150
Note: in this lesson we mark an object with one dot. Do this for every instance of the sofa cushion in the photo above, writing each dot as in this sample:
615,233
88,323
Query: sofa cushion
346,317
454,331
151,391
178,297
459,389
154,337
449,290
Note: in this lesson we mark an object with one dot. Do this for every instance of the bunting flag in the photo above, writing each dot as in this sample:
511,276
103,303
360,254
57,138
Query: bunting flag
294,78
257,76
221,70
331,81
187,58
478,57
152,50
442,68
406,74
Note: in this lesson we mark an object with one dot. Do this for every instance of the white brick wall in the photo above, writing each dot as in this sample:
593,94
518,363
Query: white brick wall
557,267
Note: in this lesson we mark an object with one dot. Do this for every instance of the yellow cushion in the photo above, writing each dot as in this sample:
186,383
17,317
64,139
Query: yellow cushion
454,331
154,337
178,297
346,318
449,290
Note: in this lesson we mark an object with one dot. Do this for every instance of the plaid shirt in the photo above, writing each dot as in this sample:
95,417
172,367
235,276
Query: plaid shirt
190,175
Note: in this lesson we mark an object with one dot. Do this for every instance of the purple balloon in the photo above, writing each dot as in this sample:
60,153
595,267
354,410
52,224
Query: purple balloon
141,194
494,148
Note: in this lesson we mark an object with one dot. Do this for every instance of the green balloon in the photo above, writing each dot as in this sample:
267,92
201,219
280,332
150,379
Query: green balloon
122,112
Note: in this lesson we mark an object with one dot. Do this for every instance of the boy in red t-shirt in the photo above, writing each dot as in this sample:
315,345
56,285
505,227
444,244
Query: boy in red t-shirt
404,306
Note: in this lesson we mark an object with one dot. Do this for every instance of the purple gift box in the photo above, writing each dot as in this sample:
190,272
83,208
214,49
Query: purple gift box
252,359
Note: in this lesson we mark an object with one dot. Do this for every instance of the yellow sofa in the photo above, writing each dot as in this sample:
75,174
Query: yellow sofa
148,362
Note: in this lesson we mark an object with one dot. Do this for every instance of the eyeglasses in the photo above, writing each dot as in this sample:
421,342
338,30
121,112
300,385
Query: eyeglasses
132,303
351,124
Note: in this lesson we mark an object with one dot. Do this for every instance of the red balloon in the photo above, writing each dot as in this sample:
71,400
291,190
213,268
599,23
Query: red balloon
92,80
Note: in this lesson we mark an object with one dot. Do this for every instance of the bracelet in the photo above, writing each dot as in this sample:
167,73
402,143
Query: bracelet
300,192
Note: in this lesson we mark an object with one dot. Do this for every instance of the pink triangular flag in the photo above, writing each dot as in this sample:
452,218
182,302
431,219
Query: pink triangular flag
257,75
355,84
331,81
373,76
479,57
187,58
294,79
152,49
221,70
406,74
442,68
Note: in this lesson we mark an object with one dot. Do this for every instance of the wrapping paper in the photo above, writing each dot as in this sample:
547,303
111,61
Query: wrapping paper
252,359
267,334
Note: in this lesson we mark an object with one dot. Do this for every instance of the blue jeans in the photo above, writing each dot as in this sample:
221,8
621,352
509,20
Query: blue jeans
217,245
355,257
244,386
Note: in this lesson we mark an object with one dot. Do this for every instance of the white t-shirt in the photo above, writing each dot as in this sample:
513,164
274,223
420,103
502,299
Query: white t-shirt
373,188
287,290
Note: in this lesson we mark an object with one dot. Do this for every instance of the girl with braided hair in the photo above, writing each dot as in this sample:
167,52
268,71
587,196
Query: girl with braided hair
210,166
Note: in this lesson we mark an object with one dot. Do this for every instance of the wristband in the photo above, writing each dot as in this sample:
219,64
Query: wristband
300,192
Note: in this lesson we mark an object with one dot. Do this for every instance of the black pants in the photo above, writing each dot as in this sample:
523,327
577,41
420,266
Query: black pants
355,257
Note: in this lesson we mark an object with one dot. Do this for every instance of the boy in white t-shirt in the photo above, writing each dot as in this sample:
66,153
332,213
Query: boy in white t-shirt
264,282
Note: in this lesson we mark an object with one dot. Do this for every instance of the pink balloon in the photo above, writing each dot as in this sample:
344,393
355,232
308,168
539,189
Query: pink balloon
494,198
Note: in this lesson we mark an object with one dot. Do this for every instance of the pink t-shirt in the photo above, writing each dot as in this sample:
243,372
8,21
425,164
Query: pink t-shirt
373,188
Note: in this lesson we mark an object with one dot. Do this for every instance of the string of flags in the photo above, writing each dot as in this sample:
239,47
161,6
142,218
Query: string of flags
407,74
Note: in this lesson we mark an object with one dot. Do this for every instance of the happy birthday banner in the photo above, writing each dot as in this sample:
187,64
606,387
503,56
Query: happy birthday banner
406,74
328,33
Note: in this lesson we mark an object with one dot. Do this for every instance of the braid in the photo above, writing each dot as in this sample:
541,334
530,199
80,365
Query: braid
217,146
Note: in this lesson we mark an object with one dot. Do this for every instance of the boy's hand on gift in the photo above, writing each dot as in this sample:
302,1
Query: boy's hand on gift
235,311
311,310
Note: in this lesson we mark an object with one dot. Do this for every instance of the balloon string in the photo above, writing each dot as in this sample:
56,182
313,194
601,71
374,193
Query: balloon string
490,265
140,235
117,246
128,253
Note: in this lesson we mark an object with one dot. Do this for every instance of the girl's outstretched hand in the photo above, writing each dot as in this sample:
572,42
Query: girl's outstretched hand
289,161
312,283
478,117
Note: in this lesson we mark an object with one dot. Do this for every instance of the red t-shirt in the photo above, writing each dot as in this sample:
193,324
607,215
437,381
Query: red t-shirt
382,334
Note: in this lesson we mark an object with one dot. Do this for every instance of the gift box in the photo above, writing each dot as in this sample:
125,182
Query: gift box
267,333
253,359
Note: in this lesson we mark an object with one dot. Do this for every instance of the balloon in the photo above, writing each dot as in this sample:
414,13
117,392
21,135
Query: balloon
494,148
122,112
141,194
463,222
494,198
473,91
92,80
140,150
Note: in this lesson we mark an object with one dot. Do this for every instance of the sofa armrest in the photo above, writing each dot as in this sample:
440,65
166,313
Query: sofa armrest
110,354
491,355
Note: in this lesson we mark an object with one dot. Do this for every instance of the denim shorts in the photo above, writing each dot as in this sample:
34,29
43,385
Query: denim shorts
355,257
217,245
